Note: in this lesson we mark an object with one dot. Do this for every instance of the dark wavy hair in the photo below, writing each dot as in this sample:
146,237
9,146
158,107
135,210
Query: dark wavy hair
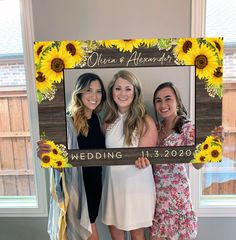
181,112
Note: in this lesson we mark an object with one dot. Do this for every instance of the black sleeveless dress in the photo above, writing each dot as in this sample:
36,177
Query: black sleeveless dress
92,175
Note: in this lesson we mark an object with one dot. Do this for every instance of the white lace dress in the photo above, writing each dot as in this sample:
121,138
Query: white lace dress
128,198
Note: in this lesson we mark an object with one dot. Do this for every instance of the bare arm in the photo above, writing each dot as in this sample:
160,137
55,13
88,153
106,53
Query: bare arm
198,165
149,136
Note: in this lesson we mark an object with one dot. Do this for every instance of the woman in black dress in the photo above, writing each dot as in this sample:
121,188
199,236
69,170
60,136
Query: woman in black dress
83,132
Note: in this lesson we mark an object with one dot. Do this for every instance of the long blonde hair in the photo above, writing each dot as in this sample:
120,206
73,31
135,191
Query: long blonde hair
76,108
134,123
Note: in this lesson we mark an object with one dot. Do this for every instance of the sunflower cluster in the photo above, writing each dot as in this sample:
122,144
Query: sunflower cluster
208,151
128,45
56,158
206,54
50,60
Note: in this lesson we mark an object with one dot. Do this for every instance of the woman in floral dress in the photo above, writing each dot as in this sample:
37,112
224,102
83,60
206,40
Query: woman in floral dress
174,218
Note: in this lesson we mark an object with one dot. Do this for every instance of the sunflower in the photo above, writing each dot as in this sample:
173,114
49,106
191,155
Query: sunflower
217,44
200,157
108,43
74,49
47,160
127,45
183,45
39,47
216,78
205,146
215,153
59,162
150,42
204,60
42,83
54,62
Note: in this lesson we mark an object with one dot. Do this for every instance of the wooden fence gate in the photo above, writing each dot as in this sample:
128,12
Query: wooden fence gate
16,166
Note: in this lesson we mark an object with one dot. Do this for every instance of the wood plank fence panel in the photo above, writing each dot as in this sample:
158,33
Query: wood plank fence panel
229,120
16,173
229,145
19,148
7,160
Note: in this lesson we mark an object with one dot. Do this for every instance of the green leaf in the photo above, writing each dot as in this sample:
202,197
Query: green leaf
43,135
163,43
39,96
219,92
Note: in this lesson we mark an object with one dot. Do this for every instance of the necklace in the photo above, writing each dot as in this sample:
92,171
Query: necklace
166,131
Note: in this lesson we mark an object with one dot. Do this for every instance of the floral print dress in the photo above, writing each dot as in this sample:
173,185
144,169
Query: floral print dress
174,217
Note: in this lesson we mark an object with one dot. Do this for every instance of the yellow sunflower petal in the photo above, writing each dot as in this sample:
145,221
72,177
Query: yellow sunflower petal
108,43
150,42
127,45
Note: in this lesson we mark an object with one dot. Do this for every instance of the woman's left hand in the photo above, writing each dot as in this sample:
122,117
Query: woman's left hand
142,162
218,132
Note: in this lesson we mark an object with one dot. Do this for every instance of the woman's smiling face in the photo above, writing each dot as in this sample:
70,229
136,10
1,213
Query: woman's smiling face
166,103
123,94
92,97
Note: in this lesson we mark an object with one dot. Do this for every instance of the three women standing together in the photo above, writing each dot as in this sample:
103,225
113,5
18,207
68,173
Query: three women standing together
129,201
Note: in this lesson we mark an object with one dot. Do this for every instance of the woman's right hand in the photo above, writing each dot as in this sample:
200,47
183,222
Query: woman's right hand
142,162
42,148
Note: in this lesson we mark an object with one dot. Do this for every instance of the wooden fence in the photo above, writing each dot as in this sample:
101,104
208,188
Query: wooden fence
229,123
229,120
16,166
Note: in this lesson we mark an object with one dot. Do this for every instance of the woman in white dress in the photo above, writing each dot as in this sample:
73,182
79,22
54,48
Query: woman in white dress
128,197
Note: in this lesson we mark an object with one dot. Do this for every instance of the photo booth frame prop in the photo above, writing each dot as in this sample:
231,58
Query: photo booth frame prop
53,57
